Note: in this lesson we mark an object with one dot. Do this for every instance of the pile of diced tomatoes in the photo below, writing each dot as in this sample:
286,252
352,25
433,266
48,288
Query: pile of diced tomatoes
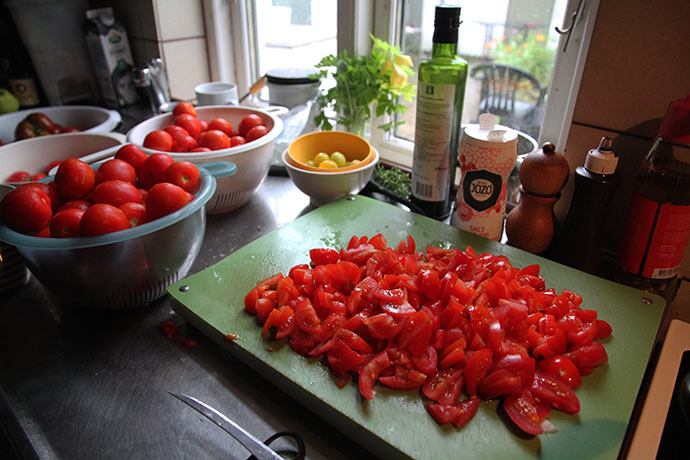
462,327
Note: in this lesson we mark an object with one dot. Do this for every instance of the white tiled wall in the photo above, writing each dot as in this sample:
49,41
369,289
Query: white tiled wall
187,64
179,19
173,30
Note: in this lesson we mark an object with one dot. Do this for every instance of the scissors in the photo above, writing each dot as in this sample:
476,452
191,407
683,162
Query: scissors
259,449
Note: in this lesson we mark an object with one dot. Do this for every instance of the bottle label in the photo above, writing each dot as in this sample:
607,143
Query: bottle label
655,238
485,168
24,90
433,128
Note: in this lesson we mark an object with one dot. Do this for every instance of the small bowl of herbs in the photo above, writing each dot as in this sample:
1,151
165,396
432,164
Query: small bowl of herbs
395,184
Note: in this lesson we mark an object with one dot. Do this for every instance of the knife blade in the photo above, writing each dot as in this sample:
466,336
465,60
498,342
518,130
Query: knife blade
260,450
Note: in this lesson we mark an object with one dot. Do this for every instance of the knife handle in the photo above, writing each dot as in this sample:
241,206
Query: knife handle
301,450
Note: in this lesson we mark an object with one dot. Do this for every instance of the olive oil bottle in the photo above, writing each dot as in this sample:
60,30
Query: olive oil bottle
440,96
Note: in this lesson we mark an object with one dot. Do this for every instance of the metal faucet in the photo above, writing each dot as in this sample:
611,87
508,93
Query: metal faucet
154,78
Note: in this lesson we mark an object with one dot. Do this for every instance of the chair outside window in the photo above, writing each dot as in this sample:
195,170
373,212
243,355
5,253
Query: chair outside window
512,94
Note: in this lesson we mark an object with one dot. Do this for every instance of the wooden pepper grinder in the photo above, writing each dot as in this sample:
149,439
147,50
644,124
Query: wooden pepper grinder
543,174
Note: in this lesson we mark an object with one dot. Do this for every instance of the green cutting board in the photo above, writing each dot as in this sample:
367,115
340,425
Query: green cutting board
395,424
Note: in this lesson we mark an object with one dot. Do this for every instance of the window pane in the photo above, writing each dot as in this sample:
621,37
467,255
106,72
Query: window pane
293,33
515,37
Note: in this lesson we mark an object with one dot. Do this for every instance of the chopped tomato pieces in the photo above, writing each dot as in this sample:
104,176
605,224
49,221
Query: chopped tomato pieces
323,256
445,322
522,410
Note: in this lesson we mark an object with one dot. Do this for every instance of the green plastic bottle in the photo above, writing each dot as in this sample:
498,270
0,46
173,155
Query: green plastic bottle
440,96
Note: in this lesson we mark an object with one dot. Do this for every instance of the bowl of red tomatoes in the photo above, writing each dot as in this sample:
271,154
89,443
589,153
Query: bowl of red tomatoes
60,119
32,159
242,135
114,234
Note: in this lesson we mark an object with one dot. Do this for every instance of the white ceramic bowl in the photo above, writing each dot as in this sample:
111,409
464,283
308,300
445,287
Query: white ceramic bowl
34,155
324,187
253,159
87,118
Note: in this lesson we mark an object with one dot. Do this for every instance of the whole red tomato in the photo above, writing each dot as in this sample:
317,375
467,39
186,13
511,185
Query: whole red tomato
188,122
204,125
135,212
163,199
200,149
159,140
177,132
74,179
19,176
102,218
184,107
65,224
256,132
184,144
24,130
221,124
35,124
40,120
76,204
248,122
214,139
49,189
132,155
43,232
184,174
38,176
115,192
237,140
116,169
153,169
26,209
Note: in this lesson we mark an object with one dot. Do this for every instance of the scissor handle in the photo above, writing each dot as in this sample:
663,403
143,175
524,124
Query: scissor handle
301,451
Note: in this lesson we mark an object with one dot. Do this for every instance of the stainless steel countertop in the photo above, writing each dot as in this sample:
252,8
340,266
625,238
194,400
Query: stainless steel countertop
83,384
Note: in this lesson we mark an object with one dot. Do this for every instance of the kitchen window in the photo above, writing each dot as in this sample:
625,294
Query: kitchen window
291,33
265,34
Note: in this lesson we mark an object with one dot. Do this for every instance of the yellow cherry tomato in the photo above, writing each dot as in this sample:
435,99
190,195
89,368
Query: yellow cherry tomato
328,164
321,156
339,159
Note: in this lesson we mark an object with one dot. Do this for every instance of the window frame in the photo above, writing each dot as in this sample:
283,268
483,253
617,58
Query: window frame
226,20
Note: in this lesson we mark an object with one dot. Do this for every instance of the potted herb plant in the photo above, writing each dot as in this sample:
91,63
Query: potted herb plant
377,79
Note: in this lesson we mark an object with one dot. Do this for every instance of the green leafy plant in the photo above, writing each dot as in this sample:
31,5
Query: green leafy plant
394,179
379,78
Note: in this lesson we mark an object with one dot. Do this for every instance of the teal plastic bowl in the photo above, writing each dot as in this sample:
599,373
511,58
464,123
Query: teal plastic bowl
124,269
